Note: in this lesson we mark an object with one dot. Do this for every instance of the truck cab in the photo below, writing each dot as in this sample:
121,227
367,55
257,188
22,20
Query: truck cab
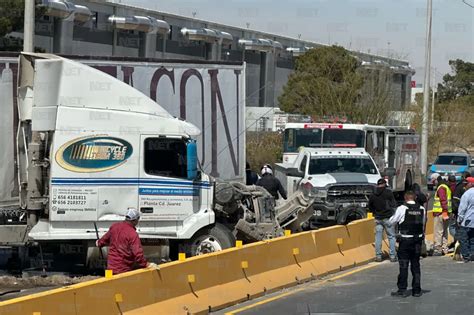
339,179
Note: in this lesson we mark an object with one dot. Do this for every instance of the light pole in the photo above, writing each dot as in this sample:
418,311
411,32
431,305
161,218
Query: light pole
433,101
29,26
426,90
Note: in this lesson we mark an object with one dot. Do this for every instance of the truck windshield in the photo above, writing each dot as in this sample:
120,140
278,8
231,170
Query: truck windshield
451,160
295,138
320,165
344,136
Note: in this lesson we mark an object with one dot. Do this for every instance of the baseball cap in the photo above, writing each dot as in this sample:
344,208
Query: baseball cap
132,214
381,181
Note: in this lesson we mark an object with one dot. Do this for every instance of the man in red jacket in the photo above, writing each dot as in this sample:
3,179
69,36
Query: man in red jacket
125,249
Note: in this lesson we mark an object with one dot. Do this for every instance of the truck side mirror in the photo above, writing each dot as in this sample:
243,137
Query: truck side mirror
389,171
192,160
293,171
430,164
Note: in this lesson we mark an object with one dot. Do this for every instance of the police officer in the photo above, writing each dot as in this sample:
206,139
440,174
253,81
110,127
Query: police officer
411,218
271,183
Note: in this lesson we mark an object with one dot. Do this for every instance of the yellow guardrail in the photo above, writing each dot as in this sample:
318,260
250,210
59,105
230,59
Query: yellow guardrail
200,284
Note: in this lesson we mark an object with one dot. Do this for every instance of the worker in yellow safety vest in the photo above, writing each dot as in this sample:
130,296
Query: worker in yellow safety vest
442,214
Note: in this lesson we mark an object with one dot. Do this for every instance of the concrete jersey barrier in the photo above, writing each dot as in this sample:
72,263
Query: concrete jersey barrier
214,281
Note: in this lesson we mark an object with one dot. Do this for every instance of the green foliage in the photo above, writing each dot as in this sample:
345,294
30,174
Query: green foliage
11,20
263,148
451,130
328,81
11,16
325,82
459,85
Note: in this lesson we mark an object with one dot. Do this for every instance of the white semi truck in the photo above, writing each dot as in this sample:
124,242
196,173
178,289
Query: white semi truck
75,171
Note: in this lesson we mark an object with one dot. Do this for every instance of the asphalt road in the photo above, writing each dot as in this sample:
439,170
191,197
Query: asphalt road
448,288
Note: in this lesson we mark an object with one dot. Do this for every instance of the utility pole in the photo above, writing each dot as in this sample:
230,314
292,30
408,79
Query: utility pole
433,100
29,26
426,90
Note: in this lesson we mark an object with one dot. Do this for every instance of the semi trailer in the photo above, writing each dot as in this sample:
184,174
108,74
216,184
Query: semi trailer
75,172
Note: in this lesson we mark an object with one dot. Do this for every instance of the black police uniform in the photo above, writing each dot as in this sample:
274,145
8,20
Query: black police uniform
411,235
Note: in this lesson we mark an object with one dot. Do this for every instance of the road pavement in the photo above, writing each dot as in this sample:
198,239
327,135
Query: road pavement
448,288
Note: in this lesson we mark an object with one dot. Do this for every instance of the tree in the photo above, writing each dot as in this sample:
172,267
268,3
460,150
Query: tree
263,148
458,85
11,16
328,81
451,130
325,82
11,20
376,98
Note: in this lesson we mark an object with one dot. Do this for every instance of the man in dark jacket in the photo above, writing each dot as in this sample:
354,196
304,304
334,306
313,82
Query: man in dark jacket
455,200
381,204
421,198
270,183
452,183
459,191
251,177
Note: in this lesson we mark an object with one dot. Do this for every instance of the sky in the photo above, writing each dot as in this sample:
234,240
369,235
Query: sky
393,28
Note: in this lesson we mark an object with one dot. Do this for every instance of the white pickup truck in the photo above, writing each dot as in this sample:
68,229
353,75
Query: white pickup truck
339,179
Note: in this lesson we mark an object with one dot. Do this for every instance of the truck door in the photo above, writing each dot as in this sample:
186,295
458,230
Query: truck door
166,196
391,151
375,146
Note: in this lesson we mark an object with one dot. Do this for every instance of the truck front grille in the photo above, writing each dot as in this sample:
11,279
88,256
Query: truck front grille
343,193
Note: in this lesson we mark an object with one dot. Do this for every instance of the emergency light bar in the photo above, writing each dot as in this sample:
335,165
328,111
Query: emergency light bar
324,126
344,145
333,145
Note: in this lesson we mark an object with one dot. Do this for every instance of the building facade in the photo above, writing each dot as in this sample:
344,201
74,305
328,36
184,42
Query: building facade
103,28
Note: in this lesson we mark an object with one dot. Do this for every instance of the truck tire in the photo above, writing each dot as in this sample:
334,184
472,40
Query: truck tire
209,240
348,215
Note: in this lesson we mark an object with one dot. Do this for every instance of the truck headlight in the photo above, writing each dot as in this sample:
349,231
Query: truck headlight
318,193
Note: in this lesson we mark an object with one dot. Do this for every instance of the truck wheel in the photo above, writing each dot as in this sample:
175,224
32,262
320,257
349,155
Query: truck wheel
209,240
351,214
